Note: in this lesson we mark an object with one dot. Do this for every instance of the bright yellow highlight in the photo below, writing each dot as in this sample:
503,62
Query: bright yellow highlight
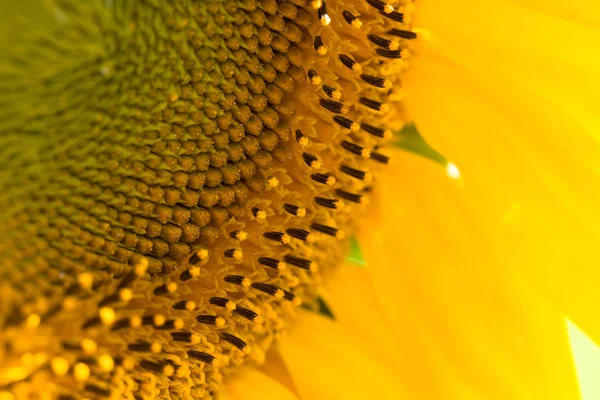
586,355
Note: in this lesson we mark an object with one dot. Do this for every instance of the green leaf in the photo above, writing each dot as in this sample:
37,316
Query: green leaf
356,256
410,139
319,306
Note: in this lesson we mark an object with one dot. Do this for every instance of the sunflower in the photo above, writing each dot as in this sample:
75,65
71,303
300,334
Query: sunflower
183,180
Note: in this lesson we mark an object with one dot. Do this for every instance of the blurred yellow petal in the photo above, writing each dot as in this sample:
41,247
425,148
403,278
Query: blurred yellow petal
328,361
518,115
251,384
451,301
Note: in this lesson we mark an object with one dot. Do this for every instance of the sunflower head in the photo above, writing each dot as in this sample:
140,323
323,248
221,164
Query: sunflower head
176,177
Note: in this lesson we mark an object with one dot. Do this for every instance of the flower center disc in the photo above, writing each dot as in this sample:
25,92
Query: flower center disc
176,176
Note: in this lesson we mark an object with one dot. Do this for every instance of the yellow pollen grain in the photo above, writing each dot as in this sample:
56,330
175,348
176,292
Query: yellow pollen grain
356,24
159,320
272,182
247,350
405,53
394,45
194,272
316,80
69,303
168,370
107,315
178,323
171,287
316,4
190,305
322,50
297,301
301,212
33,321
88,346
279,294
385,108
238,254
173,97
388,9
60,366
311,238
106,363
387,84
125,294
316,164
155,348
325,20
365,153
202,254
85,280
194,339
220,322
241,236
281,266
330,181
356,67
355,127
314,267
285,239
141,267
135,321
261,215
183,371
231,305
336,95
304,141
81,372
259,320
128,363
340,235
246,283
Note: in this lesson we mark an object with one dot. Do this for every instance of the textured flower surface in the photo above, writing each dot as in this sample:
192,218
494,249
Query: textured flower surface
182,181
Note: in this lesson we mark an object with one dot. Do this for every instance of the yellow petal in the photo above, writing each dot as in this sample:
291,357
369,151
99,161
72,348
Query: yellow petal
518,115
435,273
251,384
327,361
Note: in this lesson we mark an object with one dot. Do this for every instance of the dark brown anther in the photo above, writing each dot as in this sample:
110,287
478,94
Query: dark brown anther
381,6
394,15
404,34
334,106
319,46
389,53
350,63
277,237
298,262
328,230
236,341
380,157
201,356
248,314
373,104
271,263
300,234
353,172
328,203
355,149
294,210
347,123
376,81
355,198
311,161
351,19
